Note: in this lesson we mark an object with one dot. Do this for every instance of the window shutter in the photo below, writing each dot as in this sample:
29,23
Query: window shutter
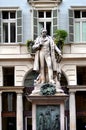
19,26
71,26
0,25
35,24
55,18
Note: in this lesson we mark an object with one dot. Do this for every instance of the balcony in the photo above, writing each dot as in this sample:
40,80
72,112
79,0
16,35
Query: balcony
44,2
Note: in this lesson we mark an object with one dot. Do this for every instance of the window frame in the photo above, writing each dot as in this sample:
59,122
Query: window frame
79,20
9,102
4,75
53,21
45,20
26,121
18,20
9,21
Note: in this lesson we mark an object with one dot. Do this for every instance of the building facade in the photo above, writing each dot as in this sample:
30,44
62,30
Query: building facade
21,21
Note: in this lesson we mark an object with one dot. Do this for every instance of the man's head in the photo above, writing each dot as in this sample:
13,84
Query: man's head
44,32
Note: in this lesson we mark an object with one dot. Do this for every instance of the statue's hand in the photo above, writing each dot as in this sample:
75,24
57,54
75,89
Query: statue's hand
59,57
41,43
36,47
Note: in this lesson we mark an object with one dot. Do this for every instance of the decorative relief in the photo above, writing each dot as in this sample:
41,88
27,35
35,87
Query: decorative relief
48,117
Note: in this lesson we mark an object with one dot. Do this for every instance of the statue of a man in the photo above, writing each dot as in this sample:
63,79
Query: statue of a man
45,53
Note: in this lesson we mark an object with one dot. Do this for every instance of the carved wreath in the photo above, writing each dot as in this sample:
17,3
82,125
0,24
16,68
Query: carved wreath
48,89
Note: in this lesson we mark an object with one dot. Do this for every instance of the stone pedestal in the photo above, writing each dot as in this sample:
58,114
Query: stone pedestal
48,111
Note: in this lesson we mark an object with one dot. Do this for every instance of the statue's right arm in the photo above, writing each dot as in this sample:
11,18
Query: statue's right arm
37,44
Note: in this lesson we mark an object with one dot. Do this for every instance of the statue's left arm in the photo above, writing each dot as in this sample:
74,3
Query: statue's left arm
54,46
57,49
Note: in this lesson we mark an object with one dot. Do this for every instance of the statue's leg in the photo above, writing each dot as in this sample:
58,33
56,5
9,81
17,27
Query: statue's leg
50,69
38,79
42,67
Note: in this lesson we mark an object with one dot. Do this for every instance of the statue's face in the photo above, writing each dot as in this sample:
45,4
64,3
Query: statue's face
44,34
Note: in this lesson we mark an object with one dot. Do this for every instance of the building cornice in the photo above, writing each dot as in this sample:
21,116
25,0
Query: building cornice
16,89
78,7
44,3
74,56
74,88
9,8
74,51
16,57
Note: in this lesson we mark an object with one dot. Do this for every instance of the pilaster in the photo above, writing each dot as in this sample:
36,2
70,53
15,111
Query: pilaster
19,111
72,107
0,110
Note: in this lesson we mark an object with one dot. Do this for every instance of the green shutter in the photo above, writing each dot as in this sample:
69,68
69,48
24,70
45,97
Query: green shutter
55,18
0,25
71,26
19,26
35,24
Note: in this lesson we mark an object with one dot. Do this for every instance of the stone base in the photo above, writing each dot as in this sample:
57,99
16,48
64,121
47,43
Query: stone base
54,105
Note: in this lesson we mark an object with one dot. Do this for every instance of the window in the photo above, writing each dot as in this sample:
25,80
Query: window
9,123
77,26
46,14
9,101
28,123
9,111
11,26
29,80
45,19
80,26
8,76
81,75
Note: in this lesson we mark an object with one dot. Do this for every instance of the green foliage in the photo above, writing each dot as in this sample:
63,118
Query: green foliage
48,89
60,36
29,45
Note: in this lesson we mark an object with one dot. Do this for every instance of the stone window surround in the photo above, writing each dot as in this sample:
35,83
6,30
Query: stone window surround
73,8
18,33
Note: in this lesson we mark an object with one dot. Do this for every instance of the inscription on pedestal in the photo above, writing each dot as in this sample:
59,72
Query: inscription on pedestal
48,117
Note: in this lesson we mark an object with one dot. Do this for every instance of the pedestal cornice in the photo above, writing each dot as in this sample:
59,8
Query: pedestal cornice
54,99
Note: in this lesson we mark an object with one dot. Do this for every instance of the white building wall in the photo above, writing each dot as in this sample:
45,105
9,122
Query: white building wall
21,67
70,72
20,73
